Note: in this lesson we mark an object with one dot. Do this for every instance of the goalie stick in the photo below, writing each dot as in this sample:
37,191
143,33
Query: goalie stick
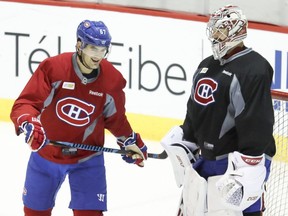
162,155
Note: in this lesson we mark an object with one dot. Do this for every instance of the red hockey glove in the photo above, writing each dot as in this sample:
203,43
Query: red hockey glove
35,135
134,143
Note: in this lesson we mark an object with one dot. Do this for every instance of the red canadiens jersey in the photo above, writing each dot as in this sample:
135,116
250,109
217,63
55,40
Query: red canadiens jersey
73,108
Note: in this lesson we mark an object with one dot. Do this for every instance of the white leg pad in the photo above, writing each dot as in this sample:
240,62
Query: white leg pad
194,193
193,198
180,210
214,205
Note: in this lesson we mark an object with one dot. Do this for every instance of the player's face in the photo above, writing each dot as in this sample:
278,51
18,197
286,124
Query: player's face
92,55
220,34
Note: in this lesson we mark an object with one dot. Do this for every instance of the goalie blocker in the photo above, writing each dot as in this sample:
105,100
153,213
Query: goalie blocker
226,195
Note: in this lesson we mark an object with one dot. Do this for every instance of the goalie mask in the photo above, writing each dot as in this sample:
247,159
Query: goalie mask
227,27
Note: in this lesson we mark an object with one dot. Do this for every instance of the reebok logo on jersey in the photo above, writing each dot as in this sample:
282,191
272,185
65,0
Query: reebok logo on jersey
99,94
227,73
68,85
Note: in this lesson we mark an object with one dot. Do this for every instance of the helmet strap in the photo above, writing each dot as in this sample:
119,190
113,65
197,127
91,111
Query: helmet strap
82,61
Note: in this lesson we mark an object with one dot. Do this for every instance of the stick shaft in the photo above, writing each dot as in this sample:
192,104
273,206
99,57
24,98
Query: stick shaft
162,155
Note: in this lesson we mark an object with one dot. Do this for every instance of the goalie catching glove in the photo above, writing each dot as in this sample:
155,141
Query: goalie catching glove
35,135
135,144
243,183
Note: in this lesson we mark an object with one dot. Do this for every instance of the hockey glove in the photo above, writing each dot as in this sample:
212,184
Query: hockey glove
182,153
35,135
135,144
243,183
175,138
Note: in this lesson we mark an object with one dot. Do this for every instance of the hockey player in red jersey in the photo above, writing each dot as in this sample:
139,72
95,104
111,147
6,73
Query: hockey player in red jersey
228,126
74,97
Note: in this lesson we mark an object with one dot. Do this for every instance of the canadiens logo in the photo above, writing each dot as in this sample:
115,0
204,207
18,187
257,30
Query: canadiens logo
74,111
204,91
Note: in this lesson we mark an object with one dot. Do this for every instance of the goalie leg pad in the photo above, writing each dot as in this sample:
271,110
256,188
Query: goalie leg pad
200,198
180,157
179,161
194,193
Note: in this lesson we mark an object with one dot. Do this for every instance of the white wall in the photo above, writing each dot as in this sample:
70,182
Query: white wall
266,11
153,43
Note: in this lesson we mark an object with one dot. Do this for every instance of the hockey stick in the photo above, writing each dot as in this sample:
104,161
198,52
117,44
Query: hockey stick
162,155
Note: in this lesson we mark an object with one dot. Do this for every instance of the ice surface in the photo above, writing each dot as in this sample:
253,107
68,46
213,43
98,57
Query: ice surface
132,190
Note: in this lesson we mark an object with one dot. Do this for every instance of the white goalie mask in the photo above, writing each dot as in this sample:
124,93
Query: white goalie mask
227,27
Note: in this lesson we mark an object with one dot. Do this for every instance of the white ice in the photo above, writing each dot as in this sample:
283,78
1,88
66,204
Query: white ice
148,191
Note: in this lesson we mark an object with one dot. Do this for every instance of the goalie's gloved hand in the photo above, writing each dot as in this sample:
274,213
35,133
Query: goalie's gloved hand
35,135
243,182
175,138
192,149
135,144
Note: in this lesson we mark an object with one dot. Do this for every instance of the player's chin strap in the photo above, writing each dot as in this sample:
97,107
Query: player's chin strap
81,59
